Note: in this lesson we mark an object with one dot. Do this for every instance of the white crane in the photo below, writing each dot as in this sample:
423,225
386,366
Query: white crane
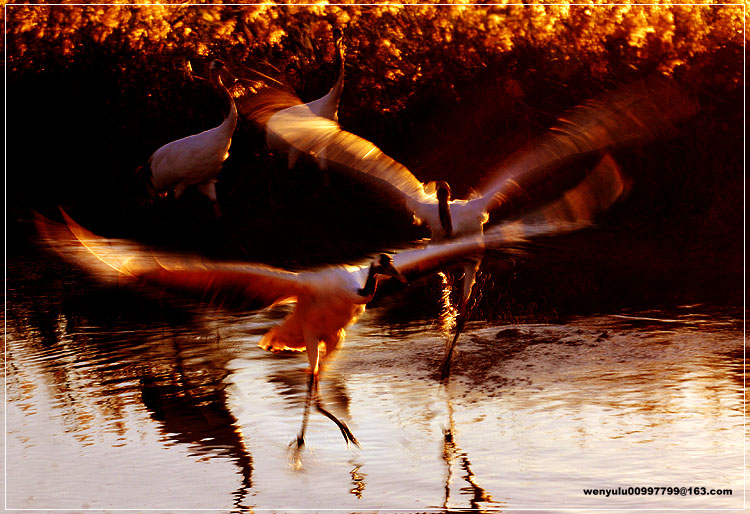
195,160
327,299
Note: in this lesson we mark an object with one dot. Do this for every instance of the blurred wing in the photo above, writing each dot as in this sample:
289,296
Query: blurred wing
628,115
259,106
575,210
223,284
422,261
344,152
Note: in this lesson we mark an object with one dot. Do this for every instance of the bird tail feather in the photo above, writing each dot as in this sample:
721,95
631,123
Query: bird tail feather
274,342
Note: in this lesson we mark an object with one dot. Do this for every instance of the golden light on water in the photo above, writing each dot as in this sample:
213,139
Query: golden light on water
448,313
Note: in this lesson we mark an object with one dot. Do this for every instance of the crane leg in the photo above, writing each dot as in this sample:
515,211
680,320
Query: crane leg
313,397
179,190
445,368
470,273
313,356
311,388
293,156
348,436
323,159
209,189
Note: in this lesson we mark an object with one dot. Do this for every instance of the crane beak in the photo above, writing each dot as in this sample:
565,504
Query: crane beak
391,271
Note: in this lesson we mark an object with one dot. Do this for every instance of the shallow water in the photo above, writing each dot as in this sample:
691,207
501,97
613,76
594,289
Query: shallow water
120,401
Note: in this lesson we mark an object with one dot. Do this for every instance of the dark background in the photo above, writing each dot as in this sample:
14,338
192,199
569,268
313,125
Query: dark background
78,125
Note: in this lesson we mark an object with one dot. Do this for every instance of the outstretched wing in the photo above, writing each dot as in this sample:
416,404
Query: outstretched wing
303,130
259,106
238,285
575,210
286,119
630,114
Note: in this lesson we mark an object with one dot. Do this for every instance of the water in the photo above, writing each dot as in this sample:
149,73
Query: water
117,400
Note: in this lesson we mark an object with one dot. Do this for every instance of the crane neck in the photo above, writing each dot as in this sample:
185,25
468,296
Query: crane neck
230,122
328,105
338,87
368,290
444,211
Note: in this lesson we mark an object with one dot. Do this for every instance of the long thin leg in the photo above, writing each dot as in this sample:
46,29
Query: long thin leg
293,156
470,272
311,387
313,356
313,395
348,436
323,159
445,368
209,189
179,190
298,445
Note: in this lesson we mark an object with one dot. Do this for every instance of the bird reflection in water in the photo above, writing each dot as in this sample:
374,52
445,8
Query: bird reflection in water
358,481
453,453
201,418
95,375
448,313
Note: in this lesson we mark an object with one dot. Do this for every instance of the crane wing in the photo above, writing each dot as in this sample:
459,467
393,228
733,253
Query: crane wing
577,208
422,261
574,210
345,152
635,113
286,118
241,285
260,106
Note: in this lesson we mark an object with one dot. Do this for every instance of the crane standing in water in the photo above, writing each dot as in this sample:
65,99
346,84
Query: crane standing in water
194,160
327,299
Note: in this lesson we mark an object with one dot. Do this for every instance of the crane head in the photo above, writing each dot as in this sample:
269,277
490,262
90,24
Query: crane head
220,75
338,43
383,265
442,190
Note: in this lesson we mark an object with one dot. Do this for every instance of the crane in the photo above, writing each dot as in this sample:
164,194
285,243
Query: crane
194,160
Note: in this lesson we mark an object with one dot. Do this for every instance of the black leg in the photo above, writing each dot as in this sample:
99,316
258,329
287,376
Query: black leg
469,289
313,396
348,436
445,369
312,387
